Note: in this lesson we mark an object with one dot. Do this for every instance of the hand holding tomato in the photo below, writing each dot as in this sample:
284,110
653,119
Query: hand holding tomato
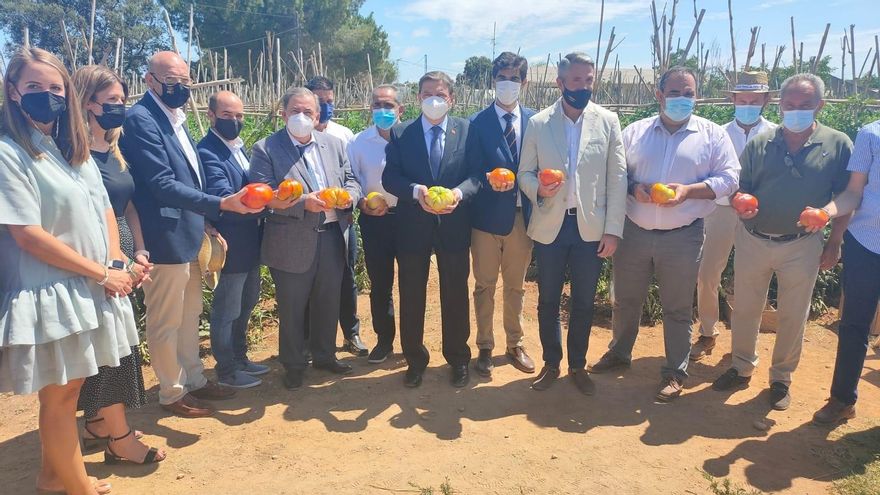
550,181
501,179
814,219
314,203
236,202
745,205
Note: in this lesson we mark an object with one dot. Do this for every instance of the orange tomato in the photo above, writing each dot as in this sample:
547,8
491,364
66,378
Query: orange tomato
257,196
335,197
661,193
501,178
549,176
289,189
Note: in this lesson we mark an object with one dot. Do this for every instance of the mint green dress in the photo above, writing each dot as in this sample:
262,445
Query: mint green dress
55,325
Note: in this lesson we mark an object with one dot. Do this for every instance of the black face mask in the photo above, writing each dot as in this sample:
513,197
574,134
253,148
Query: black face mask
43,107
578,99
173,95
229,129
113,116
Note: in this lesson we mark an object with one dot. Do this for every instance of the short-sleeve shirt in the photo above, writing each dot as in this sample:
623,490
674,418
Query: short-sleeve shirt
67,202
865,224
117,180
784,187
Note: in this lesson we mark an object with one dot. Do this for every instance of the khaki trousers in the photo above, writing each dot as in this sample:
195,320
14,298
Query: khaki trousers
720,227
174,303
511,254
796,264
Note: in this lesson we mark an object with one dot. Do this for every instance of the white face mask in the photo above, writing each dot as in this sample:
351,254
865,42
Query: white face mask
300,125
434,107
507,92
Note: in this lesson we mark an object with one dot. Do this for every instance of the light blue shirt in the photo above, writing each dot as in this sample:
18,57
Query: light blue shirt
865,158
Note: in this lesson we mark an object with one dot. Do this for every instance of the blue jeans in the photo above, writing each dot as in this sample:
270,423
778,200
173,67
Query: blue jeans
234,300
568,250
861,284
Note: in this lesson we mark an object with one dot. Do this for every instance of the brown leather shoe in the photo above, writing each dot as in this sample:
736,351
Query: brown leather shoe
520,359
702,348
189,407
582,381
834,411
213,391
608,362
545,378
670,389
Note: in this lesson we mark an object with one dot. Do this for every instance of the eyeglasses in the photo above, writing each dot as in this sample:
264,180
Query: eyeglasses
172,80
792,168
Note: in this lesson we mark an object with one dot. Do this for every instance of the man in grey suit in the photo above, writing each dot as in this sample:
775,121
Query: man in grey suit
304,242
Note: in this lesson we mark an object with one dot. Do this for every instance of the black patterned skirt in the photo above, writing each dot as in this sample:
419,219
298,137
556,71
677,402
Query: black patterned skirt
123,384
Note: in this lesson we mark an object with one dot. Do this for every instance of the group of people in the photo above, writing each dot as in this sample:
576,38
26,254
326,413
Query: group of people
97,200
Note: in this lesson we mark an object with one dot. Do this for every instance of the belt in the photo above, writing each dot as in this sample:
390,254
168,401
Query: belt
571,211
778,238
663,231
326,227
391,210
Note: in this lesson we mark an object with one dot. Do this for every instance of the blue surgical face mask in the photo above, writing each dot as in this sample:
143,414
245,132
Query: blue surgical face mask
747,114
384,118
798,120
326,112
679,108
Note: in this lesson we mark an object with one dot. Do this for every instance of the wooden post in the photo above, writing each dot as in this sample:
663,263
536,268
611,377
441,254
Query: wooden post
815,65
732,40
189,38
793,48
753,43
67,47
92,34
694,34
852,54
601,20
26,38
370,71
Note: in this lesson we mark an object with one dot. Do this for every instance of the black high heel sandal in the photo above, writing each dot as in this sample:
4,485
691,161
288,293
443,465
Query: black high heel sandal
110,457
96,442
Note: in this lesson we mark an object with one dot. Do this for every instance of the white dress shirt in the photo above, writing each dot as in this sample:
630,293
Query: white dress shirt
573,138
367,157
700,151
341,132
740,138
235,147
517,130
318,169
429,136
177,119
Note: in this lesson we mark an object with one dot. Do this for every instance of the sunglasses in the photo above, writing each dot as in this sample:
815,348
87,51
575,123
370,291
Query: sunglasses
792,168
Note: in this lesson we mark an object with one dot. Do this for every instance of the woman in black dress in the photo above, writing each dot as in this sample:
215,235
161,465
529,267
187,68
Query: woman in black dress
105,396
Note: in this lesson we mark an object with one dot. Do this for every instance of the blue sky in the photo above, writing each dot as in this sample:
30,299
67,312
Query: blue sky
449,31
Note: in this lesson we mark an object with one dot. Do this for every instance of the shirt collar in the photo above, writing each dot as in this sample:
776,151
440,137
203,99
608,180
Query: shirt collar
235,144
814,138
691,126
427,125
573,122
297,143
759,127
502,112
176,116
372,133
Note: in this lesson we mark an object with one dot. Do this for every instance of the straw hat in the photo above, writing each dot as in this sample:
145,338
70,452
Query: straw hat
212,257
752,82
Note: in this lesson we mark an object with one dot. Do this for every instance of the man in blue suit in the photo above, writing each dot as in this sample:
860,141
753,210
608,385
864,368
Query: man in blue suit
170,198
499,215
238,290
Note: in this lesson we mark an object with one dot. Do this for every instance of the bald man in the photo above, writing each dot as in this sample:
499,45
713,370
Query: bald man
238,289
171,198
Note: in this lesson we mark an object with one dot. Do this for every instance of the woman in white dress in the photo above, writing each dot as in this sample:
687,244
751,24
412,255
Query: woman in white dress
63,305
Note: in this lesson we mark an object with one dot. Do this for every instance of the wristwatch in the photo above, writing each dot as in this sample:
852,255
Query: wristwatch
116,265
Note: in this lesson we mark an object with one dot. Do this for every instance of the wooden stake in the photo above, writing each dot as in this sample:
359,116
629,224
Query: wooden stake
601,21
732,40
815,65
694,34
92,34
793,48
852,55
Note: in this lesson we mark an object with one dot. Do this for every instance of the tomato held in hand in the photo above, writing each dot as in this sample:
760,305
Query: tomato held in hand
661,193
744,203
814,218
335,197
501,178
257,196
550,176
289,189
375,200
438,198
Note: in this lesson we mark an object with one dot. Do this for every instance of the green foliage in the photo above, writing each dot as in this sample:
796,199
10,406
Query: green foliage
726,487
139,22
477,73
346,37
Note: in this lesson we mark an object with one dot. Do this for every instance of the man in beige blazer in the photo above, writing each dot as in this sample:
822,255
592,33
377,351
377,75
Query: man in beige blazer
578,221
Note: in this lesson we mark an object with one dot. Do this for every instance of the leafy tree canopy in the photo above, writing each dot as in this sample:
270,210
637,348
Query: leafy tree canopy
477,73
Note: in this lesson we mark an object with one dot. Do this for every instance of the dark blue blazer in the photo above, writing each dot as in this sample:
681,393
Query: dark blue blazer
169,200
491,211
224,176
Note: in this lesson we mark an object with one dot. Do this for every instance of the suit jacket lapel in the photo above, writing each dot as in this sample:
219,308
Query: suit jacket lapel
452,139
502,140
298,162
587,127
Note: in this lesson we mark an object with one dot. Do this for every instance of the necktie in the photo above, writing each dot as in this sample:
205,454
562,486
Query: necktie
510,137
436,151
302,152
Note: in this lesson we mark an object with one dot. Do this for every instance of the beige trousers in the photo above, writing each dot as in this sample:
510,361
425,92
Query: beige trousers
796,264
174,303
511,255
720,227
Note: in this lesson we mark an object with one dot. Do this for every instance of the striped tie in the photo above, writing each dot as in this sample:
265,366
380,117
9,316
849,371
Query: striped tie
510,136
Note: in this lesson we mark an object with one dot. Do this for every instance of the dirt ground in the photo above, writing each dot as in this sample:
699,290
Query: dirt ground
366,433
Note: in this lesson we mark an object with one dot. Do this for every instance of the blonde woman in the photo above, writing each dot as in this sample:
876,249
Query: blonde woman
63,310
105,396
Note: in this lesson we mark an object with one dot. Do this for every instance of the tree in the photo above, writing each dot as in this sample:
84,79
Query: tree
477,73
346,37
138,22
